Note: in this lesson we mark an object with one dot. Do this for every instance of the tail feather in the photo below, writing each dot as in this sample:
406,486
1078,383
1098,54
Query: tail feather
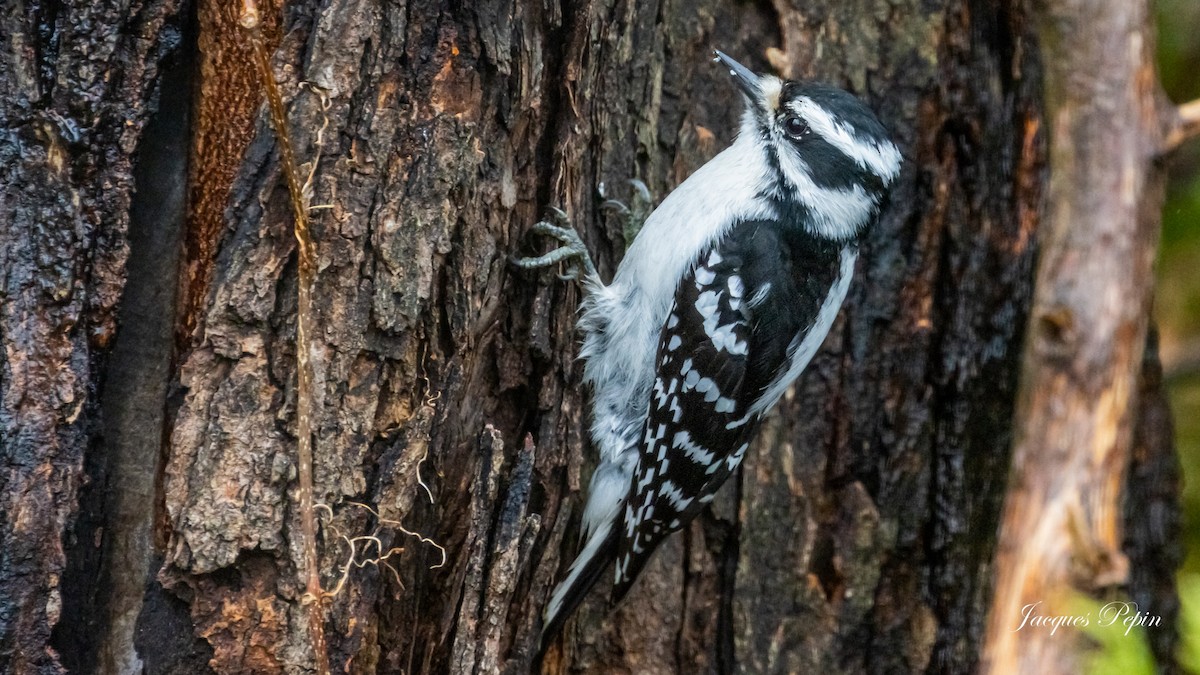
585,571
627,573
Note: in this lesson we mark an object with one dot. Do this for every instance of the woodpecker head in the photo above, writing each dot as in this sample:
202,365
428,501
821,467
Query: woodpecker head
828,156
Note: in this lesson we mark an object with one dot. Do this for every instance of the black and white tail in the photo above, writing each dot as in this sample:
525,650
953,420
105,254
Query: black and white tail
591,562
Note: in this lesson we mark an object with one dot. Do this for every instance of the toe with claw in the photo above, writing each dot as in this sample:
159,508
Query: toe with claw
572,250
633,214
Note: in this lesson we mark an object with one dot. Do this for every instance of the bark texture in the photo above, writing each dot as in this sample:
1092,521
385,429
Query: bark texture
76,85
864,513
858,537
1077,413
1152,528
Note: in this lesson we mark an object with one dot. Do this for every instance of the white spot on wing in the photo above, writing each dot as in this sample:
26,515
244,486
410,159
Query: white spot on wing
691,449
647,476
737,423
724,338
677,412
674,494
708,387
759,295
707,305
736,458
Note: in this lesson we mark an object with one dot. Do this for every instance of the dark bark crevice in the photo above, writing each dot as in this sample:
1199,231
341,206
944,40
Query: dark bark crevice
108,563
1152,521
77,85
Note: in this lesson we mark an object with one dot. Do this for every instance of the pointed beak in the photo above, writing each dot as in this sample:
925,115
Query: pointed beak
745,78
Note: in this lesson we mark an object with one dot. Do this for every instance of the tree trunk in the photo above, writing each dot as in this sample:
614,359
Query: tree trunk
1109,124
857,538
449,132
77,84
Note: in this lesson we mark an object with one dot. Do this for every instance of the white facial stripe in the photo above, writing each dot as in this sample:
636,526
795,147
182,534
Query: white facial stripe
881,159
836,214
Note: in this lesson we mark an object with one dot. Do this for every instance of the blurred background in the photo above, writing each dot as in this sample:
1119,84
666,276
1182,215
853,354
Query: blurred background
1177,305
1178,297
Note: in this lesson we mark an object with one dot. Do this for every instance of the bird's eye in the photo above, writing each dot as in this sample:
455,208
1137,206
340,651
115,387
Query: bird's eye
794,126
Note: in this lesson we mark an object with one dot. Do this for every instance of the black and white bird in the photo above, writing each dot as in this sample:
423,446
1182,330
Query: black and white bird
718,305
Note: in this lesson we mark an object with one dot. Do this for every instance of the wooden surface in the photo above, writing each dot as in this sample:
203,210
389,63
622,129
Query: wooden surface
859,536
1108,124
864,510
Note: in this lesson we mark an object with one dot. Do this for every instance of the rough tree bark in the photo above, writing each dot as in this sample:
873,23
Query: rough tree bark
76,86
863,514
857,539
1110,124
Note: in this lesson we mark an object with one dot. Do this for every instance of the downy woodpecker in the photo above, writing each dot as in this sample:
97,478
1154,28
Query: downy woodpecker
720,302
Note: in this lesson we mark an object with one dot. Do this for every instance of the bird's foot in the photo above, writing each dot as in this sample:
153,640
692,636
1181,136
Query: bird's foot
572,251
633,215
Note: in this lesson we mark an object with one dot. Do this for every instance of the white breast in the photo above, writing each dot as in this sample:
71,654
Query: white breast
632,309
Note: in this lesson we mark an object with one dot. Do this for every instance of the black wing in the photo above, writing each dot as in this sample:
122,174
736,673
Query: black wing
732,329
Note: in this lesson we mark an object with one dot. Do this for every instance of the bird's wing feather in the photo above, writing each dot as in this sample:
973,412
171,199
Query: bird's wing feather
737,317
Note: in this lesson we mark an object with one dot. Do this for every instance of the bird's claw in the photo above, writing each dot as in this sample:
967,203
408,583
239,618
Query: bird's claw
573,251
632,215
614,206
